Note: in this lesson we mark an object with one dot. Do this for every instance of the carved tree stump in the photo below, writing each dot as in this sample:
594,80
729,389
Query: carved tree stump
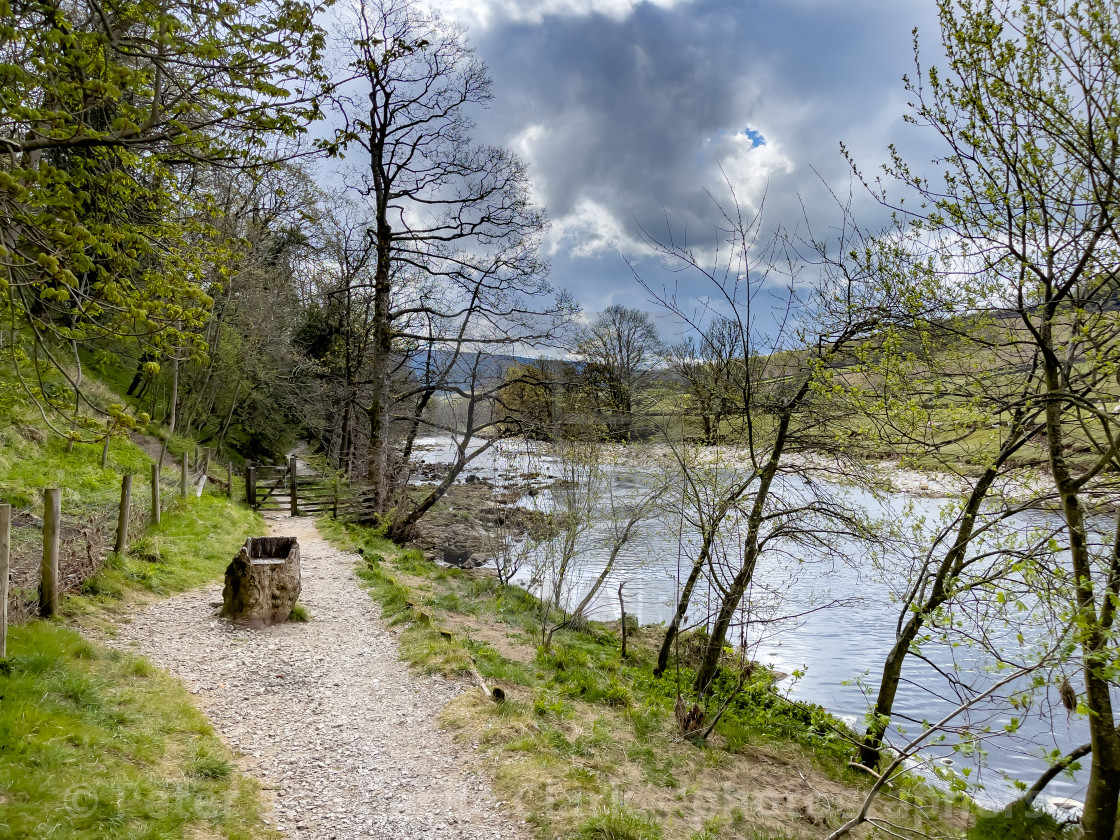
262,582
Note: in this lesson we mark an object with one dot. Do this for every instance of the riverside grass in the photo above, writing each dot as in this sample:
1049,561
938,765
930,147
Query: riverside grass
586,745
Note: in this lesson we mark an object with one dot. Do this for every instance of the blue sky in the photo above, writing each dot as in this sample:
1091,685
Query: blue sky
629,113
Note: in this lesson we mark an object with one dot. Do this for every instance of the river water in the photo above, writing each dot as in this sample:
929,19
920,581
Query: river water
838,650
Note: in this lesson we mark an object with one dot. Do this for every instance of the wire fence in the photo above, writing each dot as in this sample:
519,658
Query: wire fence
87,535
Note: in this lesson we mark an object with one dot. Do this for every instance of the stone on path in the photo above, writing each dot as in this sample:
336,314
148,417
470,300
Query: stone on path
262,582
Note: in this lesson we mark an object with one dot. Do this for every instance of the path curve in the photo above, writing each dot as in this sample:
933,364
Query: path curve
336,728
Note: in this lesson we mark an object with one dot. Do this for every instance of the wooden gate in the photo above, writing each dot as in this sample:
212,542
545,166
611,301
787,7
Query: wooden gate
287,488
301,491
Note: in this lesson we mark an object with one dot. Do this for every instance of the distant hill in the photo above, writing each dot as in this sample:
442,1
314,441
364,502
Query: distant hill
483,369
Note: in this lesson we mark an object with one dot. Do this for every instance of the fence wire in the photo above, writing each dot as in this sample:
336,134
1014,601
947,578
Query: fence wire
88,534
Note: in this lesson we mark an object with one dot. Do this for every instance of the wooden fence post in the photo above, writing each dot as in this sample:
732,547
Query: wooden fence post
185,476
155,494
229,486
122,516
251,485
292,471
48,570
206,460
5,557
335,512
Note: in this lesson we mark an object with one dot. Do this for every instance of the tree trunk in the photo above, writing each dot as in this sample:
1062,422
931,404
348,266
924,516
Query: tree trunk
1103,791
682,606
229,417
713,650
414,423
139,376
401,530
947,573
262,584
173,403
379,410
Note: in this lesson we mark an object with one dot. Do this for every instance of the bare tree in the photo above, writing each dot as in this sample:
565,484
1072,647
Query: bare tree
620,350
781,401
453,236
713,364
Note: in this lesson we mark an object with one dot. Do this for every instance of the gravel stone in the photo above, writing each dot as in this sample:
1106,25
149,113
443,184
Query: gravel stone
342,736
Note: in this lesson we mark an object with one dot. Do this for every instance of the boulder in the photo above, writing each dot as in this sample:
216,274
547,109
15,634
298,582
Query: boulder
262,582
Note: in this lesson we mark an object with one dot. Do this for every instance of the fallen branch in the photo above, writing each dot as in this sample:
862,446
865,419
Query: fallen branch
495,693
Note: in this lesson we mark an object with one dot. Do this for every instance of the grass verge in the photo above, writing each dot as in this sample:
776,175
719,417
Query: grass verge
586,744
96,744
192,545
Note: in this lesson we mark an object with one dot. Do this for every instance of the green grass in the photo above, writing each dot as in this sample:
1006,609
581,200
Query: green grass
299,615
617,821
31,460
94,743
580,723
98,744
1018,823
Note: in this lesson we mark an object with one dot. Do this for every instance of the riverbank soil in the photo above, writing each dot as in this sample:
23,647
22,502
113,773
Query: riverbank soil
344,740
586,743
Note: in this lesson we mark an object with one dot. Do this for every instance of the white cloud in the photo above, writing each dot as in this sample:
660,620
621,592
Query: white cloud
482,14
747,165
590,230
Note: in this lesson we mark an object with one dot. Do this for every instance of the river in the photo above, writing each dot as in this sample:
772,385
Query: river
839,650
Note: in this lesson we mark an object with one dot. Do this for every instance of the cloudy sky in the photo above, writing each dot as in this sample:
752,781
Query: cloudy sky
632,112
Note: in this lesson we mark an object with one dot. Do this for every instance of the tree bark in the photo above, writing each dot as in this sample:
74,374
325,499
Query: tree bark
682,606
379,421
713,650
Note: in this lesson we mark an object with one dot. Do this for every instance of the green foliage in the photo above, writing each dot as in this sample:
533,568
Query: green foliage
758,710
299,615
205,763
103,235
96,744
412,561
1017,823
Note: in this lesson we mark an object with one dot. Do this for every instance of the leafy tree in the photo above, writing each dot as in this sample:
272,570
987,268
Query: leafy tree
251,379
535,400
107,111
1027,106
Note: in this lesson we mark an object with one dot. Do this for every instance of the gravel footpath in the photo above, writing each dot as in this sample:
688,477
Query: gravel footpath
337,729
